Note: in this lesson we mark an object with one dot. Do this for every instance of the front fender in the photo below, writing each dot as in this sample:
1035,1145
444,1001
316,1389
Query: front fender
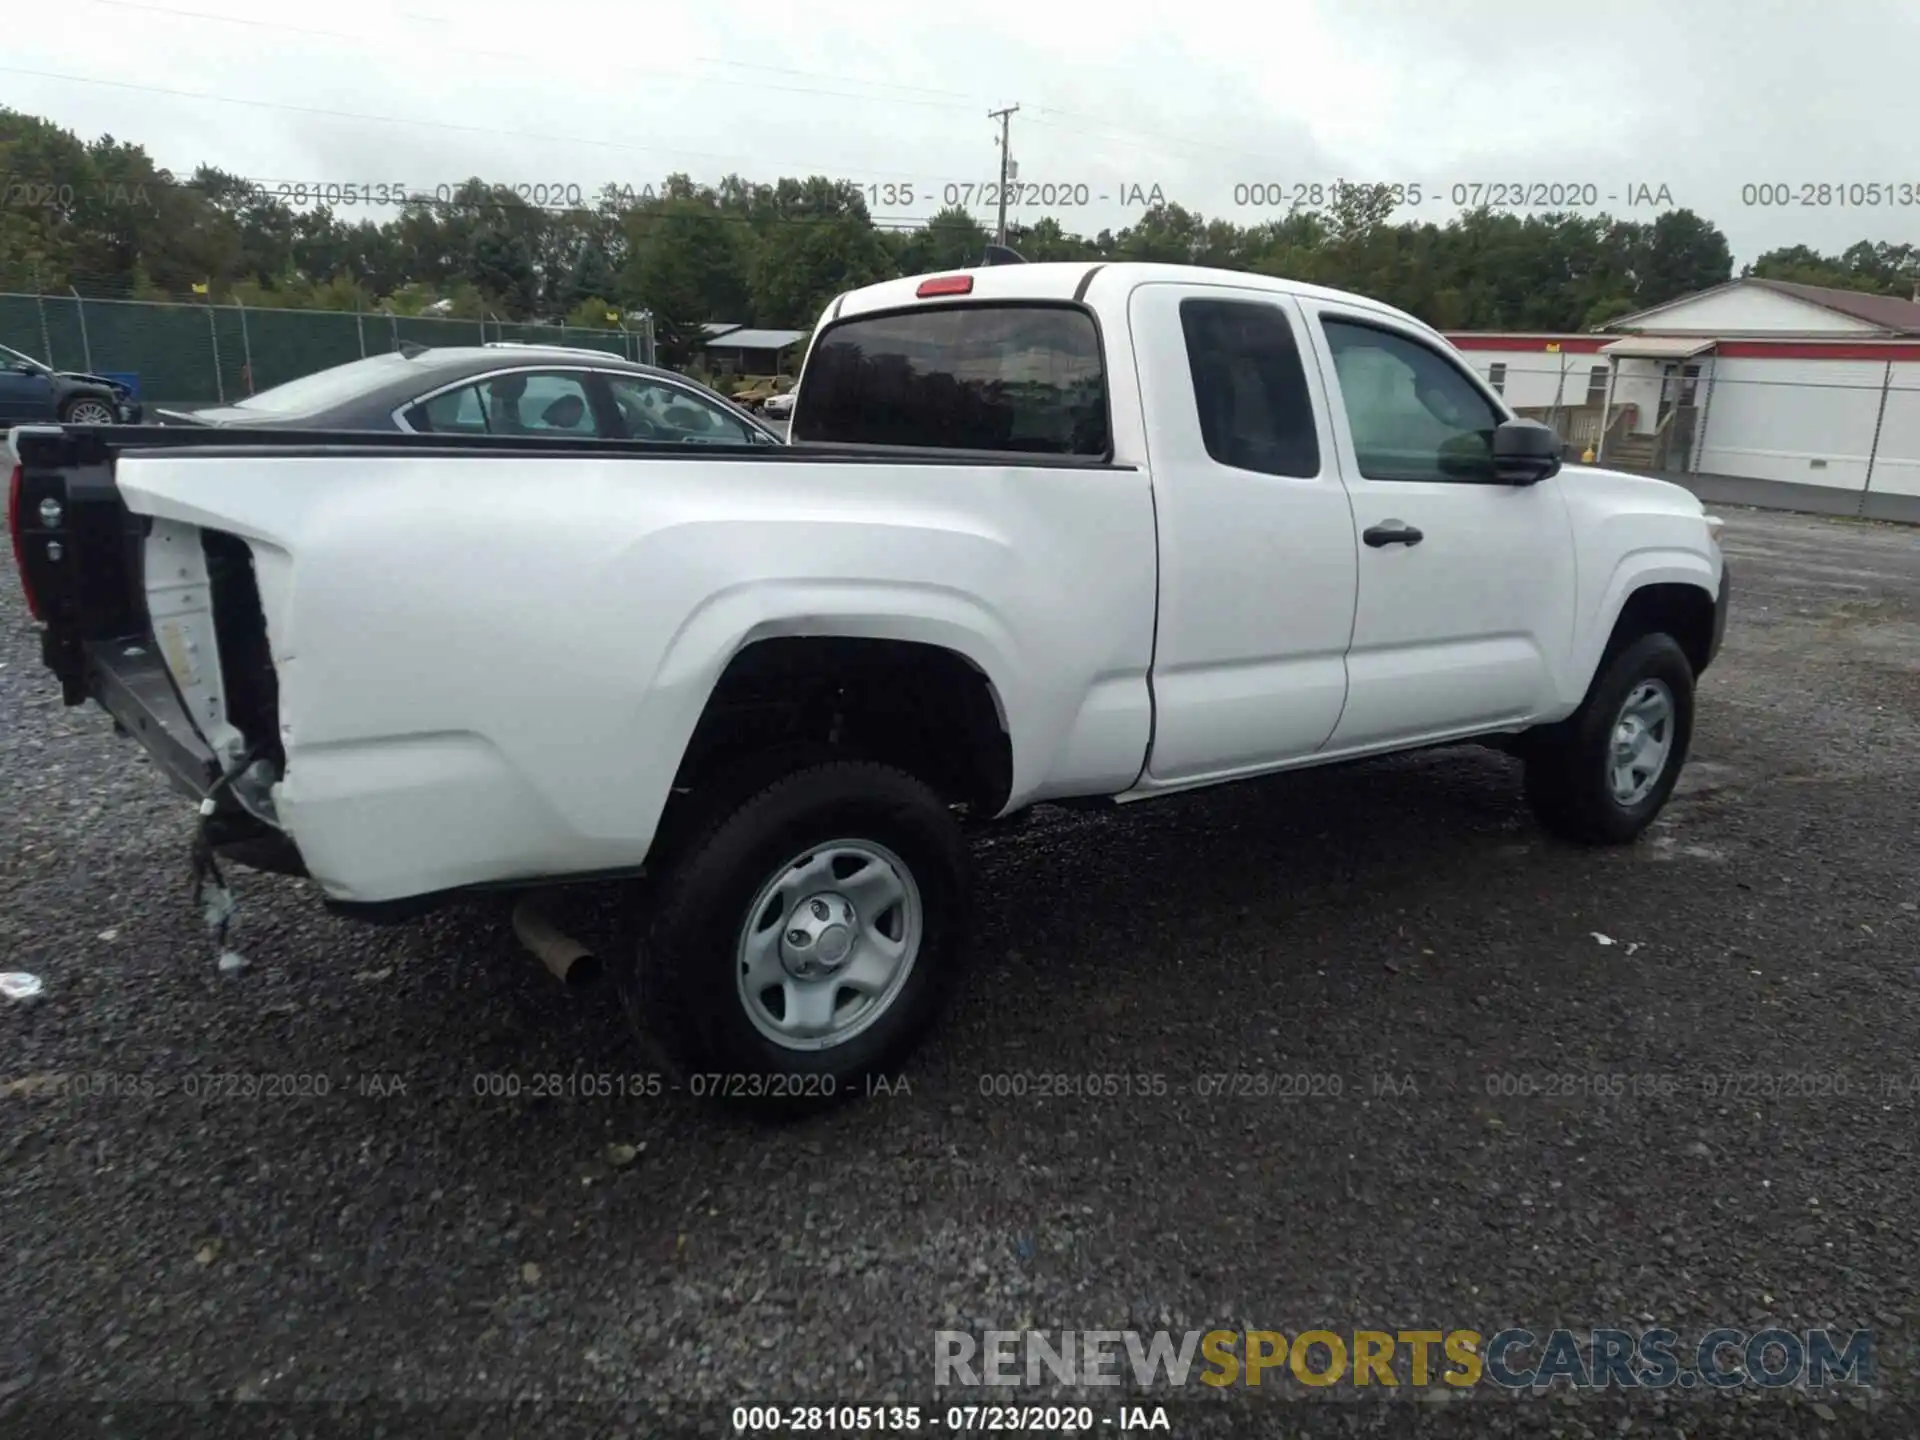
1637,569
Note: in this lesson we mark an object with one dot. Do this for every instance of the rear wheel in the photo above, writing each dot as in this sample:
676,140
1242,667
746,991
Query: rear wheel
803,940
1602,775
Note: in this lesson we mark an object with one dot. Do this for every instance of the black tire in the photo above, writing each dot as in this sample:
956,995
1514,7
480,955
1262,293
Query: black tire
685,991
1567,763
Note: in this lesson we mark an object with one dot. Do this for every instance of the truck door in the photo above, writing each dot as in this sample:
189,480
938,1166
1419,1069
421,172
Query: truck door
1466,588
1257,562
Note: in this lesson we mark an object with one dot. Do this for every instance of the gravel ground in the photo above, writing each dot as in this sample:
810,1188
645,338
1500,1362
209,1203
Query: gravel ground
647,1262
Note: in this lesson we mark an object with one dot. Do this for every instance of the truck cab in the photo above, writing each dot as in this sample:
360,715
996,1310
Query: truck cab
1359,547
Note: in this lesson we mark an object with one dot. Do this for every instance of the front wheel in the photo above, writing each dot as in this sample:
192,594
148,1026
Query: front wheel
86,410
803,942
1603,774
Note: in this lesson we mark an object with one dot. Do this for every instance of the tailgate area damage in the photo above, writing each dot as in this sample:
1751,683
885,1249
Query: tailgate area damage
160,622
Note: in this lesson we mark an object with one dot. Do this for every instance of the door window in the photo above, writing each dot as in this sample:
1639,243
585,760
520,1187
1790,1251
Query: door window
1414,414
538,403
655,411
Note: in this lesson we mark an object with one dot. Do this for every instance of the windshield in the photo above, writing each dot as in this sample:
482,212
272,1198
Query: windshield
11,356
327,387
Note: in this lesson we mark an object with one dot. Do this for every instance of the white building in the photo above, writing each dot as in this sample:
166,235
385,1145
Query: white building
1756,389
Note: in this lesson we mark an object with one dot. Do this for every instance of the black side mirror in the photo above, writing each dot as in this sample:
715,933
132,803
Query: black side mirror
1525,452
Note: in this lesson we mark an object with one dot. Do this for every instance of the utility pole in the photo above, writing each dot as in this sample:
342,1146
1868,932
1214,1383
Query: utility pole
1006,159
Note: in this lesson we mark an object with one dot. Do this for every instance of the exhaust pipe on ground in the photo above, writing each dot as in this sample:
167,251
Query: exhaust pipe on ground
570,962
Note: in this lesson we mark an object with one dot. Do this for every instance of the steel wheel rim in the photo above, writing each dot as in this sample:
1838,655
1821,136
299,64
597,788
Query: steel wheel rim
1640,742
828,944
90,412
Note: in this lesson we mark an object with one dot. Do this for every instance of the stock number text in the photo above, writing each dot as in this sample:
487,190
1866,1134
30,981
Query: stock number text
1822,194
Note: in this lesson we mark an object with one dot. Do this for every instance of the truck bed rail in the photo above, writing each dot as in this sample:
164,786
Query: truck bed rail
64,445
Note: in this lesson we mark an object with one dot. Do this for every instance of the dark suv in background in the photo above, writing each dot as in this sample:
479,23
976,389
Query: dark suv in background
32,393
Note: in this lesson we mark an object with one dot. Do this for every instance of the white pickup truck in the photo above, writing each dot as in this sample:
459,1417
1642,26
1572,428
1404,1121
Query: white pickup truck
1044,532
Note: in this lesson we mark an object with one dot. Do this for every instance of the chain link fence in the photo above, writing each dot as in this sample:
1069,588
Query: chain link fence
177,354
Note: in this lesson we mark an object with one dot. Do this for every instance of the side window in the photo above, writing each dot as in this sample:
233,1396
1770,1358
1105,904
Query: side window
457,412
1250,387
542,405
1413,413
522,404
653,411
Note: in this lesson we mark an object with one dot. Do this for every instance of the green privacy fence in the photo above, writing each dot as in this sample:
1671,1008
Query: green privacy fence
209,354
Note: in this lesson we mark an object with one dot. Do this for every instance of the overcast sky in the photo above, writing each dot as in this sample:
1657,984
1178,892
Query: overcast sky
1702,97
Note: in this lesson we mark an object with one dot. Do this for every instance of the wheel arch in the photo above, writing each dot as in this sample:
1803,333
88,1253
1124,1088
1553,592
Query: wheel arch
74,395
1657,590
735,631
929,708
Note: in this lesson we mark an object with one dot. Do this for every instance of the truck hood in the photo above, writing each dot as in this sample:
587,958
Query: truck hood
1641,492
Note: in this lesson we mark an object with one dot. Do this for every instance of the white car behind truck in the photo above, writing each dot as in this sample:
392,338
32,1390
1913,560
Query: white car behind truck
1045,533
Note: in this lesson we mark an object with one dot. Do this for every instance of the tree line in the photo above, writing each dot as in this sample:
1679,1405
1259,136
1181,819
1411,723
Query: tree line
101,217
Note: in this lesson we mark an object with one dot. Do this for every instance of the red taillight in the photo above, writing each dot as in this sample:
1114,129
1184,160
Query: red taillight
945,285
14,519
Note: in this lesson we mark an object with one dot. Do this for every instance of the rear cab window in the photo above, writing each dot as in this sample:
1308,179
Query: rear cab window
1022,377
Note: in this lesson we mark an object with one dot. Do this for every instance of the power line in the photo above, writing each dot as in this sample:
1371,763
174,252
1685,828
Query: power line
948,99
1140,140
410,120
450,47
958,95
